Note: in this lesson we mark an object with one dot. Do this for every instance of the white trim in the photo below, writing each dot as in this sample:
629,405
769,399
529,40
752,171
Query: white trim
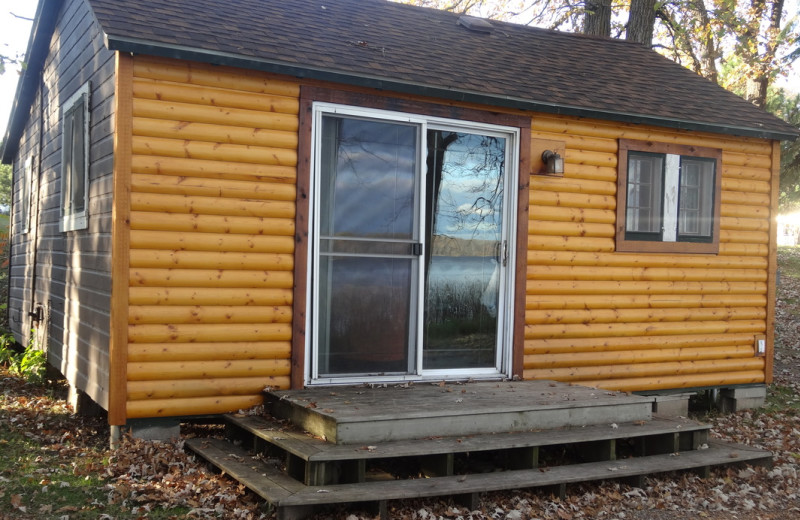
505,317
76,220
672,187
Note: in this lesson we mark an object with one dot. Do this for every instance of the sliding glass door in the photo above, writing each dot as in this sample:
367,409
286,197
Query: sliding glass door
410,247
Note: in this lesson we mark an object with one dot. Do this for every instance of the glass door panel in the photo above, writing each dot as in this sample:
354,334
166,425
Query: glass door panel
464,254
367,244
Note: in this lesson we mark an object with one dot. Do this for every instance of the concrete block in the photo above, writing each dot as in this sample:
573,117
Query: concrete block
742,398
155,429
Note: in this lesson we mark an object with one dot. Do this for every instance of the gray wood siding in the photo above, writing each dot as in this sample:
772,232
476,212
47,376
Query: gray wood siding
71,270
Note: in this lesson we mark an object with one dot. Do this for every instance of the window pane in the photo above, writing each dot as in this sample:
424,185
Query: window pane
372,161
364,315
462,289
77,193
67,168
645,178
696,209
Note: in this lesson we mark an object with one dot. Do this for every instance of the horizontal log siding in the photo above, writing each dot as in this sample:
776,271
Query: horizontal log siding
632,321
214,155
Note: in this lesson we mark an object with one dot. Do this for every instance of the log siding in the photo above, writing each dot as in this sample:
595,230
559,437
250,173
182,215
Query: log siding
213,241
212,209
644,321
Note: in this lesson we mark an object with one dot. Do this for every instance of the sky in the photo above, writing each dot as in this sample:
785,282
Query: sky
14,34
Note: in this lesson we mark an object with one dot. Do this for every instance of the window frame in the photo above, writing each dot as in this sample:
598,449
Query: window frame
682,244
317,94
74,220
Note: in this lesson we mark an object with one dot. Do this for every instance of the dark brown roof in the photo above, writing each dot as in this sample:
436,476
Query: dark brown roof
413,49
417,50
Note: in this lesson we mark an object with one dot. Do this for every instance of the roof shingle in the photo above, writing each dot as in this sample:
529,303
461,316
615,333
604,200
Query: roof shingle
404,47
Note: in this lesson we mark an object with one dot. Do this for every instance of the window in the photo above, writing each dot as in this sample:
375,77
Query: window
75,161
410,245
668,198
25,196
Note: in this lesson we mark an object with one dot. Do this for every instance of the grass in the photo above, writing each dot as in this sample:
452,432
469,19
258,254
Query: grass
54,465
35,477
781,398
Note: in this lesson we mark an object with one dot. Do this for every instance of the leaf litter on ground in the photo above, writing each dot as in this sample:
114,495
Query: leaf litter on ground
151,479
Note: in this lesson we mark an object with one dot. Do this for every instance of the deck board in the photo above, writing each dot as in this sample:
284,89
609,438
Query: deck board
263,479
717,454
362,414
316,450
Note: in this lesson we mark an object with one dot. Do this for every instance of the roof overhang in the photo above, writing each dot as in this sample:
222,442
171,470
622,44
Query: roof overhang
135,46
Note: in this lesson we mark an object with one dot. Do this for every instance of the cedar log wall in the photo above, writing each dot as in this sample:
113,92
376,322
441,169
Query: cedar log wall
645,321
212,208
212,215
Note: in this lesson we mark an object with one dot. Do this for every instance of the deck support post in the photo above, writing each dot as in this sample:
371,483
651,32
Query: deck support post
598,450
557,490
377,508
320,473
636,481
438,465
469,500
659,444
523,458
294,512
296,467
353,471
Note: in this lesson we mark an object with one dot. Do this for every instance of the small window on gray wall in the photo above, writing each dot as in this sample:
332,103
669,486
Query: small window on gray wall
25,200
75,161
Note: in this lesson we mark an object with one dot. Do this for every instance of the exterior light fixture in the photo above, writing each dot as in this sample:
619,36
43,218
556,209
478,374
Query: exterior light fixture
554,163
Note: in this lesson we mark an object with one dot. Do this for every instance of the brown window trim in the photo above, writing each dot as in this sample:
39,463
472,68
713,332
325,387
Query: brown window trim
311,94
644,246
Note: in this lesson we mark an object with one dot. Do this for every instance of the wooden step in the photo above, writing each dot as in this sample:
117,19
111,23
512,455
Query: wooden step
368,415
265,480
313,449
295,500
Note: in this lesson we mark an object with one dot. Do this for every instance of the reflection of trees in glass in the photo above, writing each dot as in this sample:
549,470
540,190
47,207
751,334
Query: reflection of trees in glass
465,204
465,184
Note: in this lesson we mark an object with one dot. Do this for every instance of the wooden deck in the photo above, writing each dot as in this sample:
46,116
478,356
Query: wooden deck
454,440
364,414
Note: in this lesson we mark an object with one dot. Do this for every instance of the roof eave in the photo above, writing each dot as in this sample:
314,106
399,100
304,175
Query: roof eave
38,47
136,46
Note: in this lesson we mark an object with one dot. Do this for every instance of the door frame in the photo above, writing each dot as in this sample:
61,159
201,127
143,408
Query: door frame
463,118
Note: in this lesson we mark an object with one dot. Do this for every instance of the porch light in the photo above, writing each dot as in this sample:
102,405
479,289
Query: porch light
554,163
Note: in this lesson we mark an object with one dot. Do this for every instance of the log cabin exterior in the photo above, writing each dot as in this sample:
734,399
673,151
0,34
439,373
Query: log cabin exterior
190,224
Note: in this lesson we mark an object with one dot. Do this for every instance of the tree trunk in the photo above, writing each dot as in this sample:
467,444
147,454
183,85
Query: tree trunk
759,78
708,47
641,20
597,18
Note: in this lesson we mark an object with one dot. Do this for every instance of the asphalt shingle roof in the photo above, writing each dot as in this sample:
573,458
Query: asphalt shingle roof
410,49
415,49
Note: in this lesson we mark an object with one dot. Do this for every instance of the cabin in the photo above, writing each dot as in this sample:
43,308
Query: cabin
214,198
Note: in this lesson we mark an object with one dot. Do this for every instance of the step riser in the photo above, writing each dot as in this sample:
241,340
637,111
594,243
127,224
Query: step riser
478,424
362,415
295,501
